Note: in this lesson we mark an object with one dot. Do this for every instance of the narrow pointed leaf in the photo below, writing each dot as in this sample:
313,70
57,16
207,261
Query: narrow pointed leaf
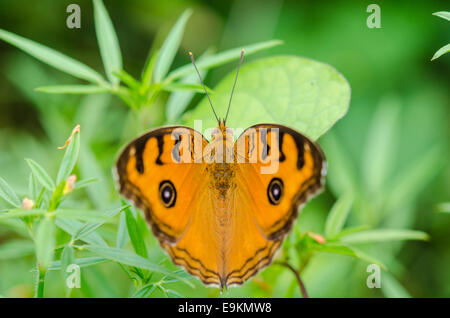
52,57
41,175
8,194
107,41
82,262
383,235
197,88
135,235
338,215
90,227
72,227
72,89
170,47
221,58
19,213
70,158
443,14
122,232
127,258
82,215
67,258
443,50
179,100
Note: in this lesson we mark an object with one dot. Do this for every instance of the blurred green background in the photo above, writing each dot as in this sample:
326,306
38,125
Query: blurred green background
392,147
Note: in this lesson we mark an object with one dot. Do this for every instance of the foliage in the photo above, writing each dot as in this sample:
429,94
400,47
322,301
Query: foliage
375,190
446,48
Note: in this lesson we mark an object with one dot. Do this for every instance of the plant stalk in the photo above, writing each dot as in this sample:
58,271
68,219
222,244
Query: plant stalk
297,276
40,282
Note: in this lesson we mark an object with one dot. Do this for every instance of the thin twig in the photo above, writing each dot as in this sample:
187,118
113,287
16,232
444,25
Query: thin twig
297,276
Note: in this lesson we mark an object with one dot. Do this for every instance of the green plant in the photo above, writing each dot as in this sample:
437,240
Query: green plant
446,48
265,87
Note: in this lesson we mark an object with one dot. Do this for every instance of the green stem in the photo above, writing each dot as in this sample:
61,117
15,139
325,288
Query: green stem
40,282
297,276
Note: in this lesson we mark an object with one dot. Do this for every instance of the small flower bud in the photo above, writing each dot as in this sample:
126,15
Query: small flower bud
70,184
317,237
27,204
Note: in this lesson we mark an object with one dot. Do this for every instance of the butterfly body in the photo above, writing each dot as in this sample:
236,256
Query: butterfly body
221,209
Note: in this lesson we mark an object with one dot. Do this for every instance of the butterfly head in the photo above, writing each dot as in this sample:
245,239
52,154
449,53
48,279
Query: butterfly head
222,132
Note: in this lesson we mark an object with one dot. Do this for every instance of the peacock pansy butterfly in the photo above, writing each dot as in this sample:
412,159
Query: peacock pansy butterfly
221,209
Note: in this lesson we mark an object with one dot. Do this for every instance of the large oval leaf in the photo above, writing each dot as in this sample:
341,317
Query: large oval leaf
301,93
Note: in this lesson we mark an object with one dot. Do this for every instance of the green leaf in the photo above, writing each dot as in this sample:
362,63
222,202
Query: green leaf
16,213
148,69
135,236
41,175
443,50
221,58
443,14
70,158
82,262
306,95
45,242
351,230
336,249
32,187
67,258
173,294
174,87
122,233
379,145
8,194
84,183
82,215
72,227
383,235
145,291
338,214
179,100
368,258
72,89
170,47
129,80
52,57
107,41
127,258
90,227
349,251
16,248
392,288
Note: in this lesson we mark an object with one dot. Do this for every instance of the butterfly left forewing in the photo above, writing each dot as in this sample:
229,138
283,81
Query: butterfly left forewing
159,159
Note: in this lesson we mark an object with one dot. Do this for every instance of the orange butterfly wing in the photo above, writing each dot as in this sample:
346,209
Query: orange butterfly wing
152,159
260,223
283,156
185,229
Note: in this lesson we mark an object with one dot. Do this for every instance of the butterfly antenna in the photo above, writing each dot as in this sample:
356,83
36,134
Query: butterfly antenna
235,80
201,81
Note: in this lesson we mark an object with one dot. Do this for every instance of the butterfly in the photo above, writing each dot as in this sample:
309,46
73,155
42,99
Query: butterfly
221,209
